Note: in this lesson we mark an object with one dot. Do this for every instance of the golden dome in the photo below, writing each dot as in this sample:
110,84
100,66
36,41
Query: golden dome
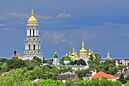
76,56
32,19
89,53
73,53
66,55
83,50
19,56
55,52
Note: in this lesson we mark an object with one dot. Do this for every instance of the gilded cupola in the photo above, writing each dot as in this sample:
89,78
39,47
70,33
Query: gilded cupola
32,18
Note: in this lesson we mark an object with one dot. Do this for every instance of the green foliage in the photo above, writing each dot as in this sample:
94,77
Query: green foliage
65,69
81,62
127,77
15,78
121,67
37,59
98,56
21,77
49,82
50,61
4,68
122,79
96,82
15,63
127,84
107,66
81,73
30,64
3,59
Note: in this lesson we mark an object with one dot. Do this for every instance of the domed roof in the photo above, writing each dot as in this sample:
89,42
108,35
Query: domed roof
32,19
83,50
89,53
74,54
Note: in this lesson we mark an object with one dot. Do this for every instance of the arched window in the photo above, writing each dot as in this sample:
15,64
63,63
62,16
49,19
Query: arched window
34,47
33,33
30,32
29,47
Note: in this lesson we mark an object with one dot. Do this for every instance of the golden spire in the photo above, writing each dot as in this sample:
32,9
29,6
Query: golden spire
32,19
83,50
73,52
108,55
32,12
83,44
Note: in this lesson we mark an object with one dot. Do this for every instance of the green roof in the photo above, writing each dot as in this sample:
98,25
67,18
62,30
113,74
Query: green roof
55,56
67,59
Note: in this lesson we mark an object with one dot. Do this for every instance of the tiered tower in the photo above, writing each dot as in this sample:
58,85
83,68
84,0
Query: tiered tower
32,42
83,51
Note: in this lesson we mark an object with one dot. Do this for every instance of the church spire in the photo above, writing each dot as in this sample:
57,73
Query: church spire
108,55
32,18
83,50
83,44
32,12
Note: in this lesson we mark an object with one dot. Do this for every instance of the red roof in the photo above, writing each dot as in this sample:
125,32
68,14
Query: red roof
102,74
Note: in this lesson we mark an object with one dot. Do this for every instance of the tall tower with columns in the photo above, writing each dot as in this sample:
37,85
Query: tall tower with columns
32,42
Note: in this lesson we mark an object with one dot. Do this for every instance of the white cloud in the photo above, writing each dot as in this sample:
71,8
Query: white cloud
1,25
56,37
63,15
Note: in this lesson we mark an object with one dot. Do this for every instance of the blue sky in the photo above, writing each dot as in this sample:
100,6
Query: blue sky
63,23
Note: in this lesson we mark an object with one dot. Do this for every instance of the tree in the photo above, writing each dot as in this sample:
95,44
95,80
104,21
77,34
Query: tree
65,69
30,64
37,72
3,59
15,63
49,82
15,78
72,63
81,73
4,68
75,61
122,79
50,61
127,84
98,56
37,59
127,77
81,62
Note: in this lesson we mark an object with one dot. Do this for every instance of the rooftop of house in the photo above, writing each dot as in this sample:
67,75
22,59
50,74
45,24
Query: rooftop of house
102,74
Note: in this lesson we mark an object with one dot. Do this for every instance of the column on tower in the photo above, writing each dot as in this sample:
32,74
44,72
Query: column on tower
31,47
36,47
35,34
31,32
39,47
28,32
26,47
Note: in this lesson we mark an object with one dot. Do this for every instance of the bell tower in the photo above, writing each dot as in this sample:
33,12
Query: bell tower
32,41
